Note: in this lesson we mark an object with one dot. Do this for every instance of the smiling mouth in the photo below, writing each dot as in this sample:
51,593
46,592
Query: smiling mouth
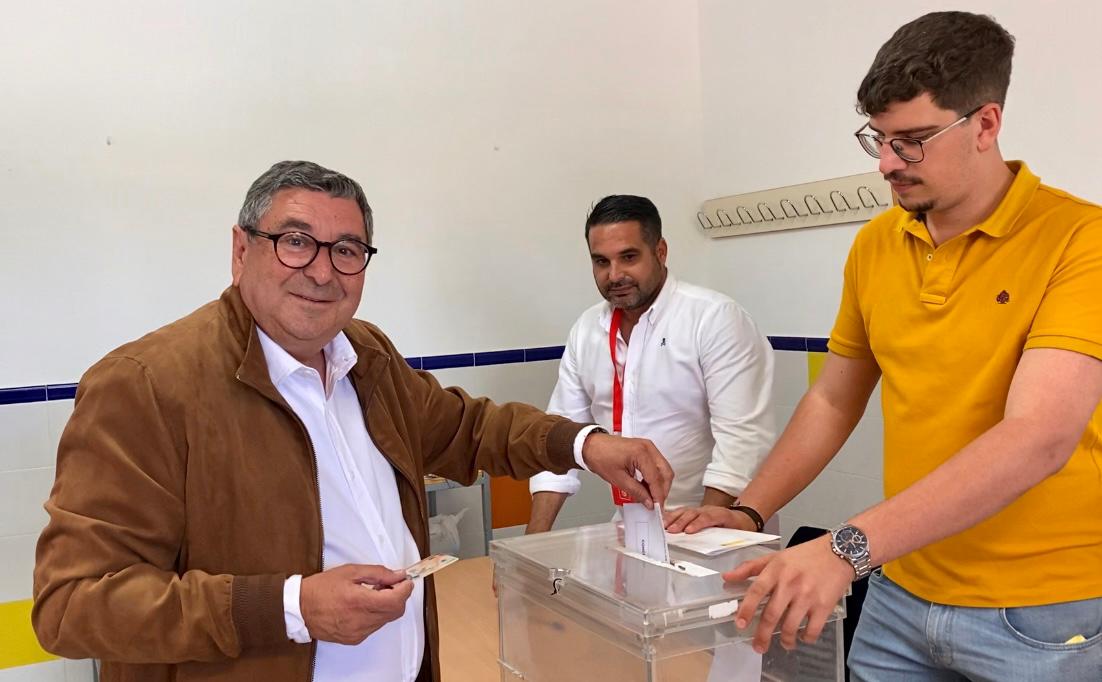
311,300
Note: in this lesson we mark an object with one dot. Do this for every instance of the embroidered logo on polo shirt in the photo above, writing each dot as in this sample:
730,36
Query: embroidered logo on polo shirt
1003,298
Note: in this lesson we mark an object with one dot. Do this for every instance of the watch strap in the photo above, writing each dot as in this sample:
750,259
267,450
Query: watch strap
759,522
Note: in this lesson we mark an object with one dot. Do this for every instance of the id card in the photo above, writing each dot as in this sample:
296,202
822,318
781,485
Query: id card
429,565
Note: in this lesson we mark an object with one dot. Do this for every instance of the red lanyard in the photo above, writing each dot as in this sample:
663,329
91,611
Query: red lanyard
619,497
617,388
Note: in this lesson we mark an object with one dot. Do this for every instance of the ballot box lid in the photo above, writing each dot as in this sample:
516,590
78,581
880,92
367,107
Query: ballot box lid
584,569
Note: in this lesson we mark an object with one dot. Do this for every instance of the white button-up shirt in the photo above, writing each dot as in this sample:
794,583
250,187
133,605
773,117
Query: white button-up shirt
697,381
360,511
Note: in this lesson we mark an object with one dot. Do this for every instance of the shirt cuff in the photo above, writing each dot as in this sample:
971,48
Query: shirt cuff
292,612
578,441
547,482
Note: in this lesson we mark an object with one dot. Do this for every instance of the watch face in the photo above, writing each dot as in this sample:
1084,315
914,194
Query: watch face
851,542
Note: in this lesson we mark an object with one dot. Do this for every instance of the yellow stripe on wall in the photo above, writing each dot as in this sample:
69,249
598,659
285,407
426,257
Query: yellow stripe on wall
814,366
18,645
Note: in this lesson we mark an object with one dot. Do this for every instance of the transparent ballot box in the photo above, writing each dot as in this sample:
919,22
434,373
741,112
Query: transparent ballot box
572,607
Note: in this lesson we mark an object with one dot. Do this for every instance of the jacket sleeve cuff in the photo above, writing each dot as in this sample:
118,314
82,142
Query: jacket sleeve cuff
561,442
257,609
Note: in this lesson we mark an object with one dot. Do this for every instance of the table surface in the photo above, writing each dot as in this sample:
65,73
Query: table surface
468,622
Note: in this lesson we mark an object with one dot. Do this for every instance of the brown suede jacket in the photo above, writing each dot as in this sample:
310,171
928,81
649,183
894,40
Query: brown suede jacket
186,492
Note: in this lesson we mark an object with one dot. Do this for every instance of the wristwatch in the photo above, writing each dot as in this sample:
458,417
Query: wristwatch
851,543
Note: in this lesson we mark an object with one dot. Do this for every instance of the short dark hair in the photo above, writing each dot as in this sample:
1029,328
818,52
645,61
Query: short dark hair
305,175
961,59
619,208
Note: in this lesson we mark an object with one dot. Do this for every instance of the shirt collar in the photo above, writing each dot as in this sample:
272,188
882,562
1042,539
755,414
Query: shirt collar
661,302
1003,219
340,357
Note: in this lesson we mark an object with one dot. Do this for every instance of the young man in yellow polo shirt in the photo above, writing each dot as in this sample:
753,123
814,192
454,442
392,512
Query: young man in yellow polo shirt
978,302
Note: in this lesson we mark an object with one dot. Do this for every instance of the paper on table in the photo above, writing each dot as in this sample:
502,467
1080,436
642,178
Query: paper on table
686,567
645,532
715,541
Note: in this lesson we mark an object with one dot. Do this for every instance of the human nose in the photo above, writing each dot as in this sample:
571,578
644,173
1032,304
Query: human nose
321,268
889,160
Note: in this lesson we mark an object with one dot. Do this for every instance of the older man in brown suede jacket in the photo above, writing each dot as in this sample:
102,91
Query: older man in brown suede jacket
238,491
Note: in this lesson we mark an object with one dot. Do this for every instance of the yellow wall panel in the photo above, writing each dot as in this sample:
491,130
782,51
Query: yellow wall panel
18,645
814,366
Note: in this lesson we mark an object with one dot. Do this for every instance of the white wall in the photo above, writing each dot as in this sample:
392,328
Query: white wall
481,132
779,83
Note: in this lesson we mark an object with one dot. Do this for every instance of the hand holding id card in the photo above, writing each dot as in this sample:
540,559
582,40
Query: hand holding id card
429,565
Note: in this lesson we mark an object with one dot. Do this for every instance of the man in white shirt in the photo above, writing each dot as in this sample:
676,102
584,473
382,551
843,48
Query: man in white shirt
238,492
693,373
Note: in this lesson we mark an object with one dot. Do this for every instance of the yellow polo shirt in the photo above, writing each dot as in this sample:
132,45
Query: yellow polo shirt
948,325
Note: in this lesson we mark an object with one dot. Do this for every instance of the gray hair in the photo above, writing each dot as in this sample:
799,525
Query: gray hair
304,174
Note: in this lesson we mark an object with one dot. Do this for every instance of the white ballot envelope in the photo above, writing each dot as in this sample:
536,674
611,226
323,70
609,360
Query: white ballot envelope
644,532
714,541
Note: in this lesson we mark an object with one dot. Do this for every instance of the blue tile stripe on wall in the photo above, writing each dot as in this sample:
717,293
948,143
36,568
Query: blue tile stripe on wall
36,394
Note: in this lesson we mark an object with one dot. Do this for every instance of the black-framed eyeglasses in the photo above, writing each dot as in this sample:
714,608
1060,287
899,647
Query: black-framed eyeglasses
910,149
298,250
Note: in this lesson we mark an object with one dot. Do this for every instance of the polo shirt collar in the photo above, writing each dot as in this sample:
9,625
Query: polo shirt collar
1003,219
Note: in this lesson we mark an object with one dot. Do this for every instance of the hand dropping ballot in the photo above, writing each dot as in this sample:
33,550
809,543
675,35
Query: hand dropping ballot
644,530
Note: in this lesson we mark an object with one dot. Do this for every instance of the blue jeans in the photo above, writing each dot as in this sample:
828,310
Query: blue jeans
902,637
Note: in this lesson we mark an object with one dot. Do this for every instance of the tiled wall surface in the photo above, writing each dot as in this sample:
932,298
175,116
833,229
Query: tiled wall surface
29,433
853,480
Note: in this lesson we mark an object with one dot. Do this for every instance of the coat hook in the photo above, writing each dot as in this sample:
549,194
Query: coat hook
702,218
834,201
812,211
785,204
772,215
872,197
749,216
721,213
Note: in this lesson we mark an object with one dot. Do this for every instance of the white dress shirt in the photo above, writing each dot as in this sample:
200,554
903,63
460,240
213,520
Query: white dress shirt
697,381
360,511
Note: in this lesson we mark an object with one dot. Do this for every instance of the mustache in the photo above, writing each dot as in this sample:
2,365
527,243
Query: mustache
620,283
896,176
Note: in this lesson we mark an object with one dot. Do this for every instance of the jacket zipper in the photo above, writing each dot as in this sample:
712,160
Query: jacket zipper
422,512
321,526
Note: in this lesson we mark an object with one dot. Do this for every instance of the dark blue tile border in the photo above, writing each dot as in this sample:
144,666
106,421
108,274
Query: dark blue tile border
544,353
35,394
431,362
499,357
22,394
788,342
816,344
61,391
